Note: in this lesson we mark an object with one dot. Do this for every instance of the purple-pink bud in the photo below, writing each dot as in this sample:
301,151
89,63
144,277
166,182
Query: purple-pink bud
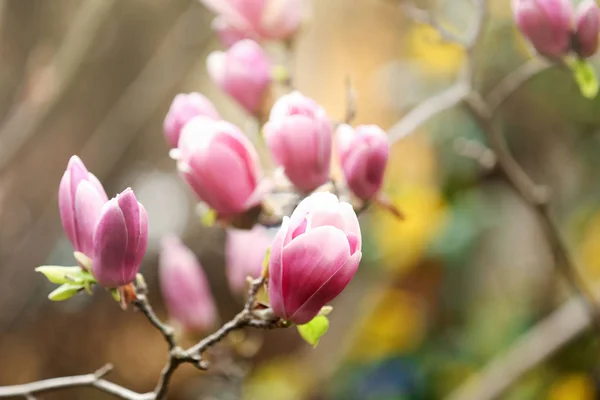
363,154
243,72
314,256
267,19
228,34
220,164
184,287
245,251
587,22
298,134
120,240
184,107
546,23
80,199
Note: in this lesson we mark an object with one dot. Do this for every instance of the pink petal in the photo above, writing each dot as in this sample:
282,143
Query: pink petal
131,213
66,205
308,261
88,206
328,291
110,246
276,270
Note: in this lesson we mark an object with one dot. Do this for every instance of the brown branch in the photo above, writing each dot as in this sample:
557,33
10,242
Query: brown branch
538,198
536,345
29,390
177,355
502,374
513,81
428,109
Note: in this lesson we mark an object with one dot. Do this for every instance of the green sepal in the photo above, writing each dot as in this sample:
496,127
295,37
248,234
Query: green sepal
279,73
312,331
59,274
585,76
65,291
115,295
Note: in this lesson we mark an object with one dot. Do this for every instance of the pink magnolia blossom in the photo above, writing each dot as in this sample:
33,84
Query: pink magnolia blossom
184,107
314,256
228,34
267,19
298,134
243,72
547,24
245,251
587,22
184,287
364,153
220,164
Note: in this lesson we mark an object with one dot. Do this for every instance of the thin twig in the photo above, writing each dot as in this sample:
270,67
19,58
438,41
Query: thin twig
429,18
428,109
29,390
538,198
513,81
500,375
536,345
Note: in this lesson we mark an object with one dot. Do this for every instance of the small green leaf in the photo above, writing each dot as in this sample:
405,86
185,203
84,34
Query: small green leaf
585,76
280,73
65,291
116,295
312,331
325,311
58,274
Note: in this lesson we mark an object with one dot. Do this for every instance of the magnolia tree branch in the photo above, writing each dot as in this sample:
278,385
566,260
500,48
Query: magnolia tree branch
536,196
248,317
537,344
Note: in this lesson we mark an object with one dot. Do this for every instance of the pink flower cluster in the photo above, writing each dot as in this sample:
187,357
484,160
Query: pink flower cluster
315,252
554,27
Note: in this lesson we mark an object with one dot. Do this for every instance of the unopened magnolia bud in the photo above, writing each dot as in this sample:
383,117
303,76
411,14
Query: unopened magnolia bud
266,19
220,164
298,134
184,107
314,256
364,153
120,241
547,24
184,287
228,34
587,28
243,72
245,252
80,199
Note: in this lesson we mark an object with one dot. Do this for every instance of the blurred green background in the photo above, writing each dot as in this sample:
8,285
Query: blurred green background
437,297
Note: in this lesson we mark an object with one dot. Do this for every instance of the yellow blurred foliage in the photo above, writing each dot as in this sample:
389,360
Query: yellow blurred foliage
394,326
589,247
438,57
572,387
401,244
281,379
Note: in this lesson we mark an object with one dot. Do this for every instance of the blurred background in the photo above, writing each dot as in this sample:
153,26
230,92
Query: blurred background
438,295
